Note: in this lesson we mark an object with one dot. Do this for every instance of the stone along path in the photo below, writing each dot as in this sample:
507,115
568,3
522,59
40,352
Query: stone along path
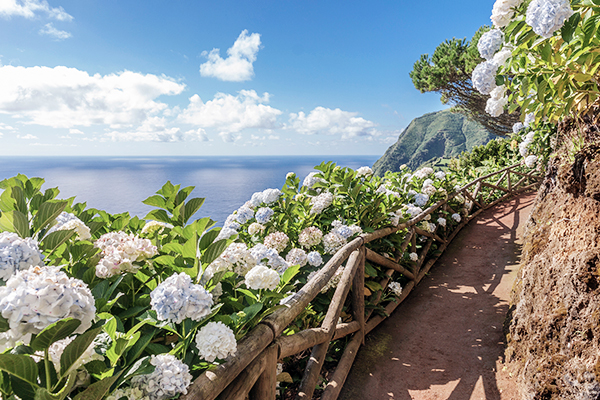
446,340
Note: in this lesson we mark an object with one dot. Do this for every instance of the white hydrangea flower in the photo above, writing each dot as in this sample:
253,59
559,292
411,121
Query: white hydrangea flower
215,340
310,236
131,393
256,229
489,43
441,221
364,171
237,258
66,221
332,242
270,257
502,56
243,214
413,256
548,16
423,172
119,251
226,233
531,161
311,179
17,254
297,257
170,377
484,77
503,12
314,258
421,199
277,241
57,348
441,175
412,210
321,202
152,227
394,219
497,101
529,119
395,288
385,189
39,296
262,277
290,175
177,298
267,196
264,214
456,217
517,127
429,190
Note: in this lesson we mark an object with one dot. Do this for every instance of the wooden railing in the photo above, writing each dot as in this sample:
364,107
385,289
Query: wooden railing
251,373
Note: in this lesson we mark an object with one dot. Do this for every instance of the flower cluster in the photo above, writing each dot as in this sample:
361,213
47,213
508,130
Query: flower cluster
262,277
484,77
548,16
169,378
17,254
503,12
456,217
364,171
39,296
531,161
311,179
270,257
395,288
264,214
310,237
489,43
423,172
267,196
277,241
321,202
314,258
497,101
155,227
66,221
524,145
244,214
132,393
237,258
339,236
256,228
413,256
177,298
215,340
119,253
441,221
297,257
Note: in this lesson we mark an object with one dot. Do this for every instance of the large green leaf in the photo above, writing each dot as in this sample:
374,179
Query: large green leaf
21,366
15,221
158,215
47,213
25,390
20,201
155,201
191,207
75,349
54,332
214,250
97,390
190,248
54,239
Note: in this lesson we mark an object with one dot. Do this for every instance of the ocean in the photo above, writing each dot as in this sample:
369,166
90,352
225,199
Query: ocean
119,184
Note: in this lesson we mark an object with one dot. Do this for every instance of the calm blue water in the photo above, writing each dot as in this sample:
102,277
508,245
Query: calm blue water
118,184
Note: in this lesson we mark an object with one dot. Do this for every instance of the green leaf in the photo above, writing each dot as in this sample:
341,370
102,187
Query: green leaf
15,221
208,238
155,201
55,239
138,348
54,332
289,274
191,207
569,27
173,248
97,390
141,367
20,201
75,349
190,248
4,326
47,213
374,286
370,271
158,215
20,366
25,390
213,251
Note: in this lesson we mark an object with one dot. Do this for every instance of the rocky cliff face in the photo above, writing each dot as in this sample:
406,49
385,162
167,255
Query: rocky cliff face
434,135
554,334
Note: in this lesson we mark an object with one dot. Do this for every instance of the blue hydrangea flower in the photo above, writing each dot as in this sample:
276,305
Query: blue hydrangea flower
177,298
263,215
484,77
548,16
489,43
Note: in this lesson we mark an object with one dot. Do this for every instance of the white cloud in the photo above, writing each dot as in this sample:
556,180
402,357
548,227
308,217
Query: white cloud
74,131
155,129
63,97
27,137
331,122
50,30
238,66
231,114
5,127
273,137
30,8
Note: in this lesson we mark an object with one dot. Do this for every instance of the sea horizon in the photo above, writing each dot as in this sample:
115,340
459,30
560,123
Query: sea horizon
120,183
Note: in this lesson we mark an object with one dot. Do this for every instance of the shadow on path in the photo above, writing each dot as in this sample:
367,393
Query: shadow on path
446,340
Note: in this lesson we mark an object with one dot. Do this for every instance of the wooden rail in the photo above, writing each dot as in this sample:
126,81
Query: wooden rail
251,373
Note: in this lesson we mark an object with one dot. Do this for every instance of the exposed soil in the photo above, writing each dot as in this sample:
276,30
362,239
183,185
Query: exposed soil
554,341
446,341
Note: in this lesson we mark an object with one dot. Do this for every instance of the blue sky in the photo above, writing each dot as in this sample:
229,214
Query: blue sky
229,77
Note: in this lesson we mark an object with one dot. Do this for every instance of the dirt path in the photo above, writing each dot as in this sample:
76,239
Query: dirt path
446,340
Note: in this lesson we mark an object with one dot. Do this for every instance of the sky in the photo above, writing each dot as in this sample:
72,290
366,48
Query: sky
227,77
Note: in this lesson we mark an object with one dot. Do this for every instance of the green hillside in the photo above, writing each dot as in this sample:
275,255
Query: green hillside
441,134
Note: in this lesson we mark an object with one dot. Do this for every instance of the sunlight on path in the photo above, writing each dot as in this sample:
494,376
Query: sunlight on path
446,342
